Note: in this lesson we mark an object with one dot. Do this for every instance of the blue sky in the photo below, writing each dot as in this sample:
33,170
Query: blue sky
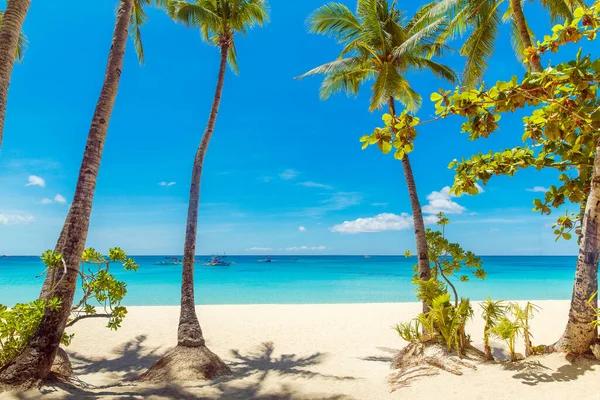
284,174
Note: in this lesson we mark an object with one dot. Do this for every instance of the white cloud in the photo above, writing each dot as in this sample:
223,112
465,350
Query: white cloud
288,174
538,189
259,249
302,229
10,219
430,219
305,248
442,202
35,180
379,204
378,223
60,199
315,185
163,183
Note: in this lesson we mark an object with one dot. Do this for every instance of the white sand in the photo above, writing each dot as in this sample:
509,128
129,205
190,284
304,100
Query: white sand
336,351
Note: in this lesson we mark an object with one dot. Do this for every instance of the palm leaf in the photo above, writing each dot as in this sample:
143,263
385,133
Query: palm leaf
344,81
479,47
336,20
137,19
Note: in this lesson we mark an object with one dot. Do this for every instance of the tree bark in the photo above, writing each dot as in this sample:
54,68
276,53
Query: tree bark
419,225
10,30
52,275
580,333
34,363
189,333
519,17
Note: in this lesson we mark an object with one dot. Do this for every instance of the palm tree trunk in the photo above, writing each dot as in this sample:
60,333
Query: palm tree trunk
10,30
191,359
52,275
580,333
34,363
189,333
536,66
419,225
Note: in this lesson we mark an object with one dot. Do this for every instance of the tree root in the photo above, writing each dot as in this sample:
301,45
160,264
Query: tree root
62,365
422,359
186,363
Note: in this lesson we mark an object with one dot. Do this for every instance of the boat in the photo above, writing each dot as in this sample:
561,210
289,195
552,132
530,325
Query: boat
217,261
367,256
173,261
267,259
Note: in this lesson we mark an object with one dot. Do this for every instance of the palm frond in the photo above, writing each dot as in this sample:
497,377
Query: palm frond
559,10
336,20
479,47
439,70
137,19
344,81
344,64
427,33
232,59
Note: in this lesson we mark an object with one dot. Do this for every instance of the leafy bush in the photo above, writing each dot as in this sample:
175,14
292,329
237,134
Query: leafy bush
20,322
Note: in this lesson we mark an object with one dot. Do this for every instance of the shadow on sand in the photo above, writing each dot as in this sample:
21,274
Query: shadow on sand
532,372
248,380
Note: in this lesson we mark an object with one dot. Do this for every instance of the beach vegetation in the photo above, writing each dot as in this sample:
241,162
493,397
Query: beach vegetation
523,316
100,289
218,22
380,44
562,126
492,312
33,365
481,20
508,330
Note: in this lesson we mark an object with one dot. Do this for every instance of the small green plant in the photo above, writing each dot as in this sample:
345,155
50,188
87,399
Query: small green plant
409,331
448,259
19,323
99,286
508,331
522,317
492,313
443,323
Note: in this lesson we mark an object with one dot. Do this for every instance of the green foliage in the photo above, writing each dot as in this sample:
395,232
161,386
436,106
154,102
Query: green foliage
596,321
448,259
219,20
379,44
508,331
492,313
19,323
481,19
409,331
101,287
563,124
443,323
398,133
501,326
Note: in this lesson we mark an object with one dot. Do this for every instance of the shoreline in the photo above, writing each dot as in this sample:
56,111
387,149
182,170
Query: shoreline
312,351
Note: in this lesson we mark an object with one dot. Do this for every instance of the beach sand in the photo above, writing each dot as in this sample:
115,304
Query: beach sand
311,351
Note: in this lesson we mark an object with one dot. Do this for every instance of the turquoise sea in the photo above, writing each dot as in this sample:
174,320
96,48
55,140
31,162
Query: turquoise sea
308,279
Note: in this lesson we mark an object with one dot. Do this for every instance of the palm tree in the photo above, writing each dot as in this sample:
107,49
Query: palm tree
21,44
483,18
34,363
381,44
10,36
218,21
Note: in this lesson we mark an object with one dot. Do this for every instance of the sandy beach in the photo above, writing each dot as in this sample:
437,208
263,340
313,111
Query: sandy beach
333,351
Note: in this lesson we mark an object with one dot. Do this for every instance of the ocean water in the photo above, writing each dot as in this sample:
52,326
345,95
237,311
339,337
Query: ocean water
309,279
